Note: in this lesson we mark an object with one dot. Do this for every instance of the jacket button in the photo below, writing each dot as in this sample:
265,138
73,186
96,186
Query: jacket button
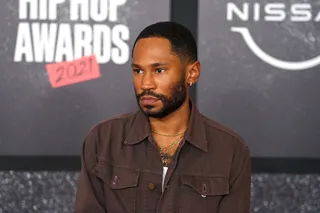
151,186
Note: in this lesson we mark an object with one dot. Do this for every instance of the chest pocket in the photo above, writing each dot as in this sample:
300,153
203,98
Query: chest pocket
202,194
121,186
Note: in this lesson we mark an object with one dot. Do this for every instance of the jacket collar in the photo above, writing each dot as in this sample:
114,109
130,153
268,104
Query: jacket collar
195,134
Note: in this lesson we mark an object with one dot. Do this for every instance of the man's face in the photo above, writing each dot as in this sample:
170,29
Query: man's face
158,77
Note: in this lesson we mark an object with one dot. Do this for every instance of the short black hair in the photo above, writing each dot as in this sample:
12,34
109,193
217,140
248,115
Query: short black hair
181,39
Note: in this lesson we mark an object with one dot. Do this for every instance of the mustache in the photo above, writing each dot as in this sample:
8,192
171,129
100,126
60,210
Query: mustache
150,93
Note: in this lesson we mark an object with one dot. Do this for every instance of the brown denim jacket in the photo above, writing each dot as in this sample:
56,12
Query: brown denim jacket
122,170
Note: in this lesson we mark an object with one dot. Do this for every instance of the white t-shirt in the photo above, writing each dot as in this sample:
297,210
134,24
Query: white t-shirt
165,169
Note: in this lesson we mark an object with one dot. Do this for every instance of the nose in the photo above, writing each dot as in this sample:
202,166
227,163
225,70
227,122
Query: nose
147,82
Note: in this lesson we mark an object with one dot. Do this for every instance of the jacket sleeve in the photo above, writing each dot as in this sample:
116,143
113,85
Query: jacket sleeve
90,192
239,198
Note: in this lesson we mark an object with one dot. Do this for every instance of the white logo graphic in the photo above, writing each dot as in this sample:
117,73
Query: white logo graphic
274,12
46,34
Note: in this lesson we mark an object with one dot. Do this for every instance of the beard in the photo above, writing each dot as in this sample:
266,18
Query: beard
170,104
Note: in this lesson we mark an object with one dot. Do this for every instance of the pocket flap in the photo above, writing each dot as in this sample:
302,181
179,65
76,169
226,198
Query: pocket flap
206,186
116,177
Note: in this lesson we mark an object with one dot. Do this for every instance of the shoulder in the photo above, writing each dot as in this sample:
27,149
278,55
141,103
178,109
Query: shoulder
116,122
96,141
228,137
110,126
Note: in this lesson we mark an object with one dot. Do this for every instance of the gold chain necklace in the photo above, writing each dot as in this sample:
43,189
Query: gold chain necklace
172,144
173,135
165,154
165,151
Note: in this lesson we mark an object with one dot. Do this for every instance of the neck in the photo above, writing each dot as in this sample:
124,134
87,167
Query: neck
174,123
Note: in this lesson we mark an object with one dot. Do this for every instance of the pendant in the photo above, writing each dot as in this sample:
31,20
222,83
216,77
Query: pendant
165,162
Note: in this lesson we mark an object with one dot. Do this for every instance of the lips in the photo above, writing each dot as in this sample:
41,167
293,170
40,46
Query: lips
148,100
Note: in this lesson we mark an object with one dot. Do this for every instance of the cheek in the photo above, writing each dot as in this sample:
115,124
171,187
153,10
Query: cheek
137,89
136,82
164,86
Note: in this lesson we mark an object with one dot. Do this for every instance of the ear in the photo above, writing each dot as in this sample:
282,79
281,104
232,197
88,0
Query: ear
193,73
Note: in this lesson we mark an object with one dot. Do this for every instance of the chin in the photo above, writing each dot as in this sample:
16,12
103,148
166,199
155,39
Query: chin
151,107
150,111
153,113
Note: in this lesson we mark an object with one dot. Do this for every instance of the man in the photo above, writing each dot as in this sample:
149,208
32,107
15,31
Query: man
167,157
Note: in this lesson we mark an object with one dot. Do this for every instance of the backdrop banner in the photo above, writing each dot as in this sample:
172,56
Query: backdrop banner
65,66
260,73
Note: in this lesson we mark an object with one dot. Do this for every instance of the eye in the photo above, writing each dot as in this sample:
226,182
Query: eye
138,71
159,70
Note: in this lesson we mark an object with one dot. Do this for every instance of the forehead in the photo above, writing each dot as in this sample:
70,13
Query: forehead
151,50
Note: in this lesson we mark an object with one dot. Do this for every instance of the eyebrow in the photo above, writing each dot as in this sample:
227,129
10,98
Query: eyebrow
157,64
